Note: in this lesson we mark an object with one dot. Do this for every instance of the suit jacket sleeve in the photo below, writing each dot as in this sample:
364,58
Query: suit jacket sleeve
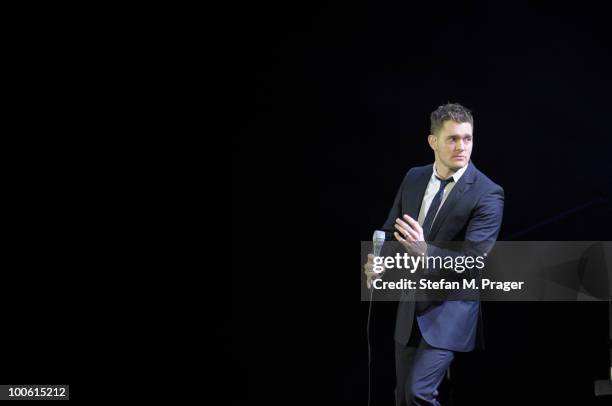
481,234
396,211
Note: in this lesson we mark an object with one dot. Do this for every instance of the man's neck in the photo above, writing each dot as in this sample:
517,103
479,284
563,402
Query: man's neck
443,172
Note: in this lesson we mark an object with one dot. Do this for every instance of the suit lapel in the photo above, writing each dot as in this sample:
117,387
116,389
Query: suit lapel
453,198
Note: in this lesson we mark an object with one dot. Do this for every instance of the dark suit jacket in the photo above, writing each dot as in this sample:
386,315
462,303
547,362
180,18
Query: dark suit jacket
472,215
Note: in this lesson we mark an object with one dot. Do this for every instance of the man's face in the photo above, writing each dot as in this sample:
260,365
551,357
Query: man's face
452,145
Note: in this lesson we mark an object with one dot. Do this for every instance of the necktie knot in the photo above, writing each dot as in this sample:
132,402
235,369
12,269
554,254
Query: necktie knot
445,182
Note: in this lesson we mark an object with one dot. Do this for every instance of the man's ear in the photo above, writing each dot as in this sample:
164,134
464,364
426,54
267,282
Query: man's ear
433,142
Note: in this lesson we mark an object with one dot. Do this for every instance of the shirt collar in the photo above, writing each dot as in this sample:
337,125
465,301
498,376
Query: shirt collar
456,176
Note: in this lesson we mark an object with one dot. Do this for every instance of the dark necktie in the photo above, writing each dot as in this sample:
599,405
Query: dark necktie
423,306
434,206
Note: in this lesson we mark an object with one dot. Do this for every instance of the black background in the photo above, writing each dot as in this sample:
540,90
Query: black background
335,102
48,220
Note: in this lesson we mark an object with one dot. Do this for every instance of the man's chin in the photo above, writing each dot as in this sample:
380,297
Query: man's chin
458,164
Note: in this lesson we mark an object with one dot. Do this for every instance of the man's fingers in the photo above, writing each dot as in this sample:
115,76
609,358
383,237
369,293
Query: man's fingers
404,242
407,226
370,264
407,232
398,237
401,230
413,223
408,242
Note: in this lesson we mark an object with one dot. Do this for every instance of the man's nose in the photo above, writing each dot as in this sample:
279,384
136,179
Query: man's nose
459,145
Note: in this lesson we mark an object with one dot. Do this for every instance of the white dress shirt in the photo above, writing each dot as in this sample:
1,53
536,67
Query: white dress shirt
432,189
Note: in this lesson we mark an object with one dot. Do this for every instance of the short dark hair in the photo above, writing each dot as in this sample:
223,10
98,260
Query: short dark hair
450,111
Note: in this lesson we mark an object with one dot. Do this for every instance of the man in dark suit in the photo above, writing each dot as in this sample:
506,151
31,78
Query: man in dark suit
448,201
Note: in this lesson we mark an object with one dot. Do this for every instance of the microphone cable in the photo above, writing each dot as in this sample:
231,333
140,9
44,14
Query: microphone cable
378,239
369,349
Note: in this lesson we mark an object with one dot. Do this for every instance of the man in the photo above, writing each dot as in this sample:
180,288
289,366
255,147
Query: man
447,201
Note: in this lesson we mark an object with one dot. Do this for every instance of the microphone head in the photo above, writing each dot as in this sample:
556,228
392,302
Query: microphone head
379,236
378,239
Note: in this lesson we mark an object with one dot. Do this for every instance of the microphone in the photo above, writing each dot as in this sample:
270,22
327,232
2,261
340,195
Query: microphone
378,239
